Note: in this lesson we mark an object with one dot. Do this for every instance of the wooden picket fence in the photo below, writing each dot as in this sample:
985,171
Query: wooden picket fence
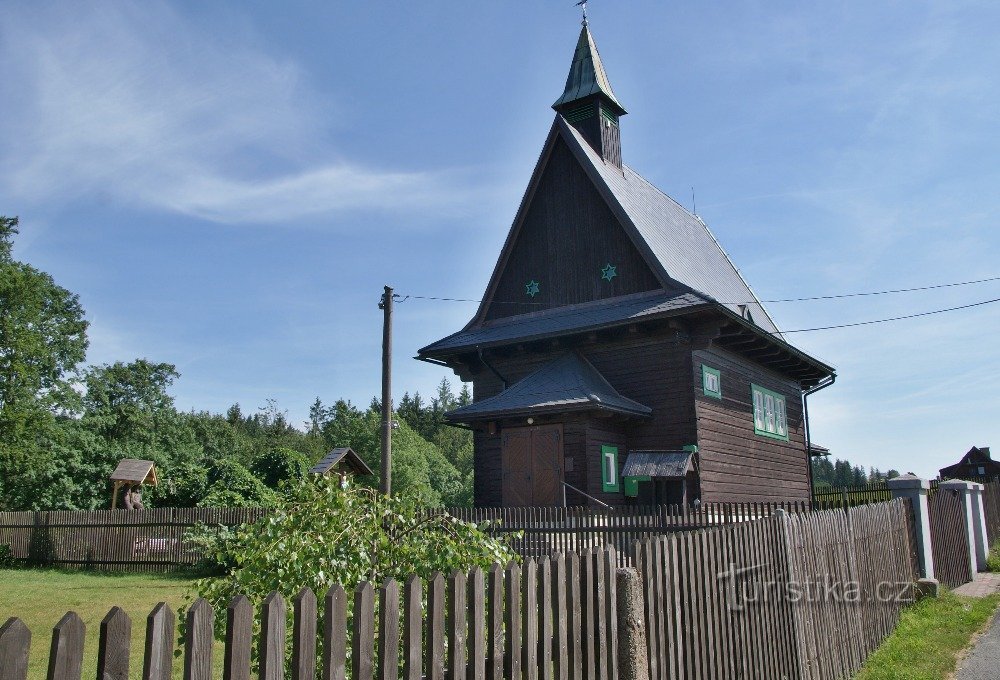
544,530
116,540
844,497
735,601
949,538
556,617
991,508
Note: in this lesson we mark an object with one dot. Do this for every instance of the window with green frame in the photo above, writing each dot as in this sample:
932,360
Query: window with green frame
769,417
711,381
609,469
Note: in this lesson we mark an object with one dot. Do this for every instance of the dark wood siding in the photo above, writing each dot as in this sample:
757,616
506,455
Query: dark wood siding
488,475
567,236
653,370
735,463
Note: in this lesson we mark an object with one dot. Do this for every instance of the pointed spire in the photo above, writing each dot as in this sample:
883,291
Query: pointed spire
587,77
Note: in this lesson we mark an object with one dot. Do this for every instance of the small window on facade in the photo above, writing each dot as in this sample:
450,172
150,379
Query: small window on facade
711,382
609,468
769,416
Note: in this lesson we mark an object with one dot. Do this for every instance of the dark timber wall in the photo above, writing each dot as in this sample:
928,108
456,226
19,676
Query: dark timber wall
567,229
663,371
736,464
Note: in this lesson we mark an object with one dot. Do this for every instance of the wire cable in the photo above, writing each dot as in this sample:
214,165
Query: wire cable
749,302
894,318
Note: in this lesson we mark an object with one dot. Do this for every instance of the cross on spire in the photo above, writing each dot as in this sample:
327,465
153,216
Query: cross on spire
583,6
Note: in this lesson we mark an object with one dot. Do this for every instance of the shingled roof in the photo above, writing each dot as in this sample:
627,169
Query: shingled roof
677,245
571,319
569,383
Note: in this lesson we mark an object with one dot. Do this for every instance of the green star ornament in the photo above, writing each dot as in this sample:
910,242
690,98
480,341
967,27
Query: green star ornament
531,288
609,272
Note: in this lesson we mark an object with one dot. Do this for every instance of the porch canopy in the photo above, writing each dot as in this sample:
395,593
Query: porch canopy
569,383
658,464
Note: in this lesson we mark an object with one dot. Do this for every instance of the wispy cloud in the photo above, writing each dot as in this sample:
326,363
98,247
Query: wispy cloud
133,103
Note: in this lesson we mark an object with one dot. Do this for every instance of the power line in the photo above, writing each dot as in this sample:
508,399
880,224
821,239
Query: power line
894,318
748,302
880,292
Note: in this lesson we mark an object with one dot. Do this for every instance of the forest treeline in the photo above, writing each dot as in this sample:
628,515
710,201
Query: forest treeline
840,473
65,425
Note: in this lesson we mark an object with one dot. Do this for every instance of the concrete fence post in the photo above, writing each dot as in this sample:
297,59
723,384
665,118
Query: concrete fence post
965,492
633,663
979,524
915,489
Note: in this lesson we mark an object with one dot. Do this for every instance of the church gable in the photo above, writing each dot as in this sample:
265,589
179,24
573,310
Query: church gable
568,246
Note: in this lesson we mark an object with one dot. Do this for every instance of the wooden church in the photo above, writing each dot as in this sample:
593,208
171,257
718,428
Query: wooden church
618,355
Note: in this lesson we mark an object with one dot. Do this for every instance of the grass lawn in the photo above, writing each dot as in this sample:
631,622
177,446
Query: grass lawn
929,637
41,597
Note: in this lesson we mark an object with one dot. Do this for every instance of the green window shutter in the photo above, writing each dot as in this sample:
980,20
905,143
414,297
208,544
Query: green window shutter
769,415
609,469
711,381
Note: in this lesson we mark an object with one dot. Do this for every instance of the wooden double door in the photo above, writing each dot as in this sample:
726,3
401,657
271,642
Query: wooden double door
532,465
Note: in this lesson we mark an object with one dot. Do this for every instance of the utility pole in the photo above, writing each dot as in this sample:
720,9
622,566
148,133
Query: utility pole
386,306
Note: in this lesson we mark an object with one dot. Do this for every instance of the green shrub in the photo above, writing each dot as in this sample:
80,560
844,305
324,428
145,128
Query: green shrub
993,560
212,542
320,535
231,485
7,557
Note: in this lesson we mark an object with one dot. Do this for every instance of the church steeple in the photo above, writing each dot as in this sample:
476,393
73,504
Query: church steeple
589,104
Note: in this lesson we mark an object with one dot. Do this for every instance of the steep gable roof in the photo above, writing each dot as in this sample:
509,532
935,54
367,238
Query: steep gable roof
680,246
677,246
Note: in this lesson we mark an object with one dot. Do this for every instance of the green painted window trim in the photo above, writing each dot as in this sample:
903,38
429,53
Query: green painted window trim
779,408
615,484
705,372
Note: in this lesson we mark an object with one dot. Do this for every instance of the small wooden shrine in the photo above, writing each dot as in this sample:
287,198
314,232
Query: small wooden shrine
131,473
342,461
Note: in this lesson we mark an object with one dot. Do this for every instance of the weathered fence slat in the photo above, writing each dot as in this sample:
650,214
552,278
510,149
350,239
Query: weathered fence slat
457,604
335,634
388,630
239,639
560,644
363,638
114,645
158,657
434,646
66,653
272,637
15,643
512,621
529,614
304,635
494,623
477,625
198,641
412,628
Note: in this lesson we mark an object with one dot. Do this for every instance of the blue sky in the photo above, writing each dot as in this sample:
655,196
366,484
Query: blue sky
229,186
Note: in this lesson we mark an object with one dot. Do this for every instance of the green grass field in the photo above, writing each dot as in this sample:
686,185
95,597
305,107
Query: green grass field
41,597
929,637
